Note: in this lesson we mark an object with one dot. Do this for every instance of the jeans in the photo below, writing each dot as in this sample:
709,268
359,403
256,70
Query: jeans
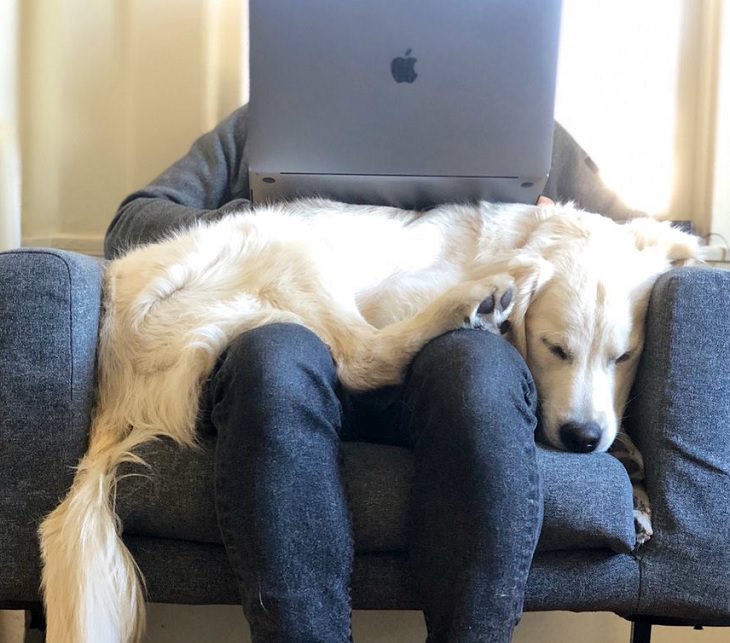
467,408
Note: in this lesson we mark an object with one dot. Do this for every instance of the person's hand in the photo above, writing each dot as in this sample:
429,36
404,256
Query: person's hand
543,200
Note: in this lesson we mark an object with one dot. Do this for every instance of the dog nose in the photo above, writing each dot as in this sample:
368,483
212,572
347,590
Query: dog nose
580,437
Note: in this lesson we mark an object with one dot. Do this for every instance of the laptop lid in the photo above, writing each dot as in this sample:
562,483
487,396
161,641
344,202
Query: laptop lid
408,103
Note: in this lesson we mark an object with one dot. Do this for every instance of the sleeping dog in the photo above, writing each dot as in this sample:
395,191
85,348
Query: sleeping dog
568,288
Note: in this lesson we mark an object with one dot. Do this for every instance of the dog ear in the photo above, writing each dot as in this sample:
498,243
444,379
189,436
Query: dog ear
531,272
671,243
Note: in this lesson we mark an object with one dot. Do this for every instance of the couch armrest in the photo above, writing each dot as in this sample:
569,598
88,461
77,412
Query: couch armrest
49,317
680,419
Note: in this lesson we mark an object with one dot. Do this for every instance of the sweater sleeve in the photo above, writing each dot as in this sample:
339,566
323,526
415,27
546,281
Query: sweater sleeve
209,181
574,177
212,180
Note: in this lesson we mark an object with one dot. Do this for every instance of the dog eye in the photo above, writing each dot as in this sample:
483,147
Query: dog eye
623,358
558,352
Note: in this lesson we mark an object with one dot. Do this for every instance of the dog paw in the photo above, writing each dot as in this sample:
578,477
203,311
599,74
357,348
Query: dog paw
644,529
493,309
642,515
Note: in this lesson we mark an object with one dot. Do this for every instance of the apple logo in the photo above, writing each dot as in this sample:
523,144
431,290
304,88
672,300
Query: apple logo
402,68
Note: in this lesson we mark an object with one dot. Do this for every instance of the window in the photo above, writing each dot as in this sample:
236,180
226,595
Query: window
637,87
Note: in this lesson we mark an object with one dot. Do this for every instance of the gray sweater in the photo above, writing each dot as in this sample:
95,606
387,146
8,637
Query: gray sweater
212,180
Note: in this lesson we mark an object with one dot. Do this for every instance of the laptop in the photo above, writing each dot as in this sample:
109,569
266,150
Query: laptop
409,103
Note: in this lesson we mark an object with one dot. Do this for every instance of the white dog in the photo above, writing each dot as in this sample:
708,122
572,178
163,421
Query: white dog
569,288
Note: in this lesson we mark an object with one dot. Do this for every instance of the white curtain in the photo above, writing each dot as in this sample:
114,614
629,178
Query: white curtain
617,91
638,87
9,149
9,189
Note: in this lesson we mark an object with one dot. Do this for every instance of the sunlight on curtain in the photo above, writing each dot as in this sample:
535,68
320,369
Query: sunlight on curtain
9,189
226,58
9,160
721,196
617,92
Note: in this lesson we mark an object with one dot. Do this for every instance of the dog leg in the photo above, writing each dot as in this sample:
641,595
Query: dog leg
626,452
379,357
642,514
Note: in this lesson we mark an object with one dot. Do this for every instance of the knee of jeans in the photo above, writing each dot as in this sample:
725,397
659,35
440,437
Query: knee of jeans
473,367
277,357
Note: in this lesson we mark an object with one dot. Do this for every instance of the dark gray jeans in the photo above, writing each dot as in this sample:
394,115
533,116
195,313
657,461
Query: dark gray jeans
468,411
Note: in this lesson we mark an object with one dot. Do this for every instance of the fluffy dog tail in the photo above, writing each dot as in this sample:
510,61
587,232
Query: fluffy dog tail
92,587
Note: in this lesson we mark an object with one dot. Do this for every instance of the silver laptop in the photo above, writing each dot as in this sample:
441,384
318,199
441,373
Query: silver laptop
402,102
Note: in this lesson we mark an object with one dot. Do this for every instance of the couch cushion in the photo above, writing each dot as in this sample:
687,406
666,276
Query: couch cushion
588,498
49,317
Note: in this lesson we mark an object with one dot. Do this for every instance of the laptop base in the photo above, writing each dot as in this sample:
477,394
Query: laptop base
408,192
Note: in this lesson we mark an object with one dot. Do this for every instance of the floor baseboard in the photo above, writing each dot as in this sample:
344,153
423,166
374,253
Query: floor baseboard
84,244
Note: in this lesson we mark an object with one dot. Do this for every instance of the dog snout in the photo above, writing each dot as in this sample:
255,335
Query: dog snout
580,437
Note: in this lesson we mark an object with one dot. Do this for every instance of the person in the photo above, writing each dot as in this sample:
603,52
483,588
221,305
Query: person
467,409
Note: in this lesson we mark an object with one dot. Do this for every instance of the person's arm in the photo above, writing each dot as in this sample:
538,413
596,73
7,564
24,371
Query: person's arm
208,182
574,177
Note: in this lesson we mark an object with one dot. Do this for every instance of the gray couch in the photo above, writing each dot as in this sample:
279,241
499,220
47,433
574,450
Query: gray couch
587,558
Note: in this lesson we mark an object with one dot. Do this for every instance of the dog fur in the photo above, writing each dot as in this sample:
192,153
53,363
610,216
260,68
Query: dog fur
375,284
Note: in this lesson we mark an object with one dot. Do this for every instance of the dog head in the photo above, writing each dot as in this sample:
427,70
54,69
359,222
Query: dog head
583,286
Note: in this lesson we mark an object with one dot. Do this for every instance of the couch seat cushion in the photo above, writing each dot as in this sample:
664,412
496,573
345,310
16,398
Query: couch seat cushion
588,498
